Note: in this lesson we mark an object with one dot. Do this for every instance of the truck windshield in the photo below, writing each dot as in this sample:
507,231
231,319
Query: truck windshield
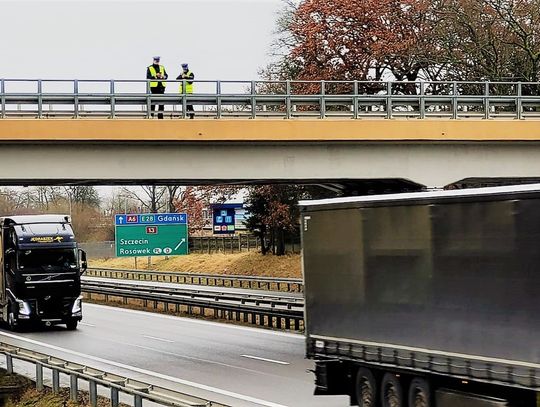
47,259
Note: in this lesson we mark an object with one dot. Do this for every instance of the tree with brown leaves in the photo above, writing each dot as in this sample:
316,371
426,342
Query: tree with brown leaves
361,39
194,200
407,40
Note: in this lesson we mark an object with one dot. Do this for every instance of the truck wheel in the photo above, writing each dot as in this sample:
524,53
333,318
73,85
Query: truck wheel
11,319
391,391
72,325
420,393
365,388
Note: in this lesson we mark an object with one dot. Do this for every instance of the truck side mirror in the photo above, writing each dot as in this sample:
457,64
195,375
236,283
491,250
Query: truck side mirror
84,263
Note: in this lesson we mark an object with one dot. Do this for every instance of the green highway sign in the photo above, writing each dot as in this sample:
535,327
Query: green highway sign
151,234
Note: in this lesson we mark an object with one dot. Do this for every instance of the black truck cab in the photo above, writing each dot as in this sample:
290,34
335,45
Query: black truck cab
41,268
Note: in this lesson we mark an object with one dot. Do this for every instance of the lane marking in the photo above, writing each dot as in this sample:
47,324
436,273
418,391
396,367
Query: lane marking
200,322
279,362
198,359
157,339
148,372
87,324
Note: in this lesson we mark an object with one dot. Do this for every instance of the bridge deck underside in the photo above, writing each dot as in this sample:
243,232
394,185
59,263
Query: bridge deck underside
430,153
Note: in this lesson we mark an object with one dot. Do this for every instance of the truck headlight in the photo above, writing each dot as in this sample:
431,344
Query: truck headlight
77,305
24,307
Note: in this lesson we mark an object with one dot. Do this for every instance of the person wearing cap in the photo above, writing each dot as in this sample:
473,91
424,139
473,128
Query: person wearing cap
157,71
187,75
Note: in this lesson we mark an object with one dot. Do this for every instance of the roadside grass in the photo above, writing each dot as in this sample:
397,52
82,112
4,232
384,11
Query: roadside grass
13,381
33,398
243,264
20,392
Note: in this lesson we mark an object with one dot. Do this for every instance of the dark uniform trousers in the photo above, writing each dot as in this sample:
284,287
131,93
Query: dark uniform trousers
161,108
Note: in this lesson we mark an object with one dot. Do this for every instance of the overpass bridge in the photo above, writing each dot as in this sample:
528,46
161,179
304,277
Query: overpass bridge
335,133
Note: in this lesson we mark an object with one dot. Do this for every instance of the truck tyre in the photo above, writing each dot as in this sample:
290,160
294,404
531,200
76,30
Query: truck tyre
420,393
391,391
365,388
11,319
72,325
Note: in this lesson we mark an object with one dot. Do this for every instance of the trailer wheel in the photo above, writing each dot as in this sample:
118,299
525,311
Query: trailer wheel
365,388
391,391
420,393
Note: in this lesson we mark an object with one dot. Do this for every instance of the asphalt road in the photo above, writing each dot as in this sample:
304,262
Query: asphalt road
239,366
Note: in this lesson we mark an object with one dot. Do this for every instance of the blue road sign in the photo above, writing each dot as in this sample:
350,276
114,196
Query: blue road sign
150,219
223,219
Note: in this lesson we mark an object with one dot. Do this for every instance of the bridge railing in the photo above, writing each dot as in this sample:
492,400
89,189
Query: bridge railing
83,98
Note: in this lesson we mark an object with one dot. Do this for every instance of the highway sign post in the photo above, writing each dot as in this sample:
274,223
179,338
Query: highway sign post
151,234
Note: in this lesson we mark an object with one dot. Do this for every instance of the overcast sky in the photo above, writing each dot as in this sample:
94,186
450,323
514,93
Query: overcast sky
98,39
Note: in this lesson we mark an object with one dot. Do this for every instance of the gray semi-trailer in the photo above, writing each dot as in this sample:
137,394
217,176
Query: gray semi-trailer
425,299
41,267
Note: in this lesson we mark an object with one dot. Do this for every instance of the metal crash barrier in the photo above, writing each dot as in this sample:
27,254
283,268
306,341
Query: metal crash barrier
251,282
271,311
77,98
117,384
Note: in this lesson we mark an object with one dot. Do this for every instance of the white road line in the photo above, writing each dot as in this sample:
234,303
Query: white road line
87,324
196,359
279,362
147,372
157,339
200,322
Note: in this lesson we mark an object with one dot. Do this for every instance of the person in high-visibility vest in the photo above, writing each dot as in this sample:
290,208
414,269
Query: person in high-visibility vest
189,76
157,71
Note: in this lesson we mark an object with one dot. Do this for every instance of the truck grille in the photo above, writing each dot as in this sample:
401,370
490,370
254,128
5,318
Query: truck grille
52,307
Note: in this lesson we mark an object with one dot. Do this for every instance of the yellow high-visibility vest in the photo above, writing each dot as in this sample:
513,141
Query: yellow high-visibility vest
154,73
189,86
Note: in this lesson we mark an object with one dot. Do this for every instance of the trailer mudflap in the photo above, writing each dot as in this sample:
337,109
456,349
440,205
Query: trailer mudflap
331,377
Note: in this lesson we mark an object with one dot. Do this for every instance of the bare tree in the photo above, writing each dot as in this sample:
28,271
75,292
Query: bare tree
46,196
150,197
120,202
173,192
9,202
85,195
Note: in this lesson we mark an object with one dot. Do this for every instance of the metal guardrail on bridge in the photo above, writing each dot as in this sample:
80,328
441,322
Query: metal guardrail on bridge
73,98
117,384
234,281
272,311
